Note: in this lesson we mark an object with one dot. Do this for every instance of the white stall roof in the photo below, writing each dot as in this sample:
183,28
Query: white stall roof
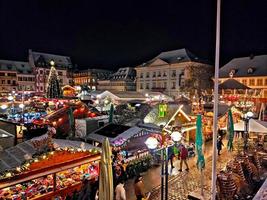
256,126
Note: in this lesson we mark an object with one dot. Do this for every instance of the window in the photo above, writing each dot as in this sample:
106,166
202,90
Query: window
41,71
60,73
141,86
252,82
159,74
154,74
20,78
2,74
173,73
3,81
41,88
265,81
141,75
11,74
154,85
164,73
244,81
147,85
165,85
259,82
8,81
250,70
173,85
147,74
14,82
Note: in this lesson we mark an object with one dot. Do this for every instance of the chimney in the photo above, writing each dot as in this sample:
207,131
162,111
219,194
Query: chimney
251,56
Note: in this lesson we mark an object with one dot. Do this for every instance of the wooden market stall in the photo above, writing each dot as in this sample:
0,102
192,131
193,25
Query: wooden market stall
55,173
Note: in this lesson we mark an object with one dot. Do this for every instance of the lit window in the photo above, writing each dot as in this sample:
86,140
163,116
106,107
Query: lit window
259,82
252,82
244,81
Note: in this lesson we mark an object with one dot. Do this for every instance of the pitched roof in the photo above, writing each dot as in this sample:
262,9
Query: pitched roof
16,155
63,61
19,66
126,73
240,67
232,84
175,56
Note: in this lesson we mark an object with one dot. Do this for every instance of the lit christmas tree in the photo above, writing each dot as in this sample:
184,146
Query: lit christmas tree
53,89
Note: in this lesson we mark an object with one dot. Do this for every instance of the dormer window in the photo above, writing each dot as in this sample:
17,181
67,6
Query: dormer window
232,72
250,70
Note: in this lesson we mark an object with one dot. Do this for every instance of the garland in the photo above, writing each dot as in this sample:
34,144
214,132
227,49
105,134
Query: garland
7,174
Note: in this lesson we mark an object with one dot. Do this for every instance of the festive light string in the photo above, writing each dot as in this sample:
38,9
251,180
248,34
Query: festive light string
45,156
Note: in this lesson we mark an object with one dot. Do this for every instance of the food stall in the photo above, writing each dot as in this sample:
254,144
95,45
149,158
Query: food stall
56,173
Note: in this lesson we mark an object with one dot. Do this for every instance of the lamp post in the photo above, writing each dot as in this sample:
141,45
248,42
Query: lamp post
246,119
152,144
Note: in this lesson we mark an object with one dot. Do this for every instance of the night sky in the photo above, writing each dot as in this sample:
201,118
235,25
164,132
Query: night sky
112,34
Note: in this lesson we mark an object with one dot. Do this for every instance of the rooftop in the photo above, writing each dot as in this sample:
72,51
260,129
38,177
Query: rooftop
19,66
43,59
245,66
175,56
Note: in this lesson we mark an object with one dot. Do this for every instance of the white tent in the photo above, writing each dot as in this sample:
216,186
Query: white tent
256,126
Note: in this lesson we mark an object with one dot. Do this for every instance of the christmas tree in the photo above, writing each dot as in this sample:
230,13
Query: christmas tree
53,89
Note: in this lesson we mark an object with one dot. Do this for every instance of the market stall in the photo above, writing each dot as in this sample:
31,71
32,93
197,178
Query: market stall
55,173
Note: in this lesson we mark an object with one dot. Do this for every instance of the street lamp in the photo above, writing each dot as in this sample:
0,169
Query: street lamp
52,62
246,119
152,144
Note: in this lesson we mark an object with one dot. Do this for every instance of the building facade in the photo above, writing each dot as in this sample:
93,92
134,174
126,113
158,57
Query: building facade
16,76
166,72
250,71
122,80
90,77
41,63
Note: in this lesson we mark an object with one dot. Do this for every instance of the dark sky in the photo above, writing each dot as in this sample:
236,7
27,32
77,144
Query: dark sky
112,34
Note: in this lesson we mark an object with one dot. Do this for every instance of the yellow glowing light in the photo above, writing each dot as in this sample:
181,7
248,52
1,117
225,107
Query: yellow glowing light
18,169
8,174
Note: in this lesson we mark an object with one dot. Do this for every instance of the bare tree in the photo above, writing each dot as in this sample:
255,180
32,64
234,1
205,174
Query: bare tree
198,80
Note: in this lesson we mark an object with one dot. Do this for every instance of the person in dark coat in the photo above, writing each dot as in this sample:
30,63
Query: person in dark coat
219,145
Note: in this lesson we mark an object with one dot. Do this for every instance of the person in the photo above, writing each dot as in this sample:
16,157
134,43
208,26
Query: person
139,188
183,157
85,190
120,193
171,155
219,145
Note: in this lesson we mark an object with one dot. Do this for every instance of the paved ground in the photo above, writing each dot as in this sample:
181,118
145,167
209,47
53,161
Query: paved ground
180,183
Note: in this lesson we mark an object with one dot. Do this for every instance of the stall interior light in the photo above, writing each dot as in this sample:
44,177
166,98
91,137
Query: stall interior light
4,106
10,98
21,105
